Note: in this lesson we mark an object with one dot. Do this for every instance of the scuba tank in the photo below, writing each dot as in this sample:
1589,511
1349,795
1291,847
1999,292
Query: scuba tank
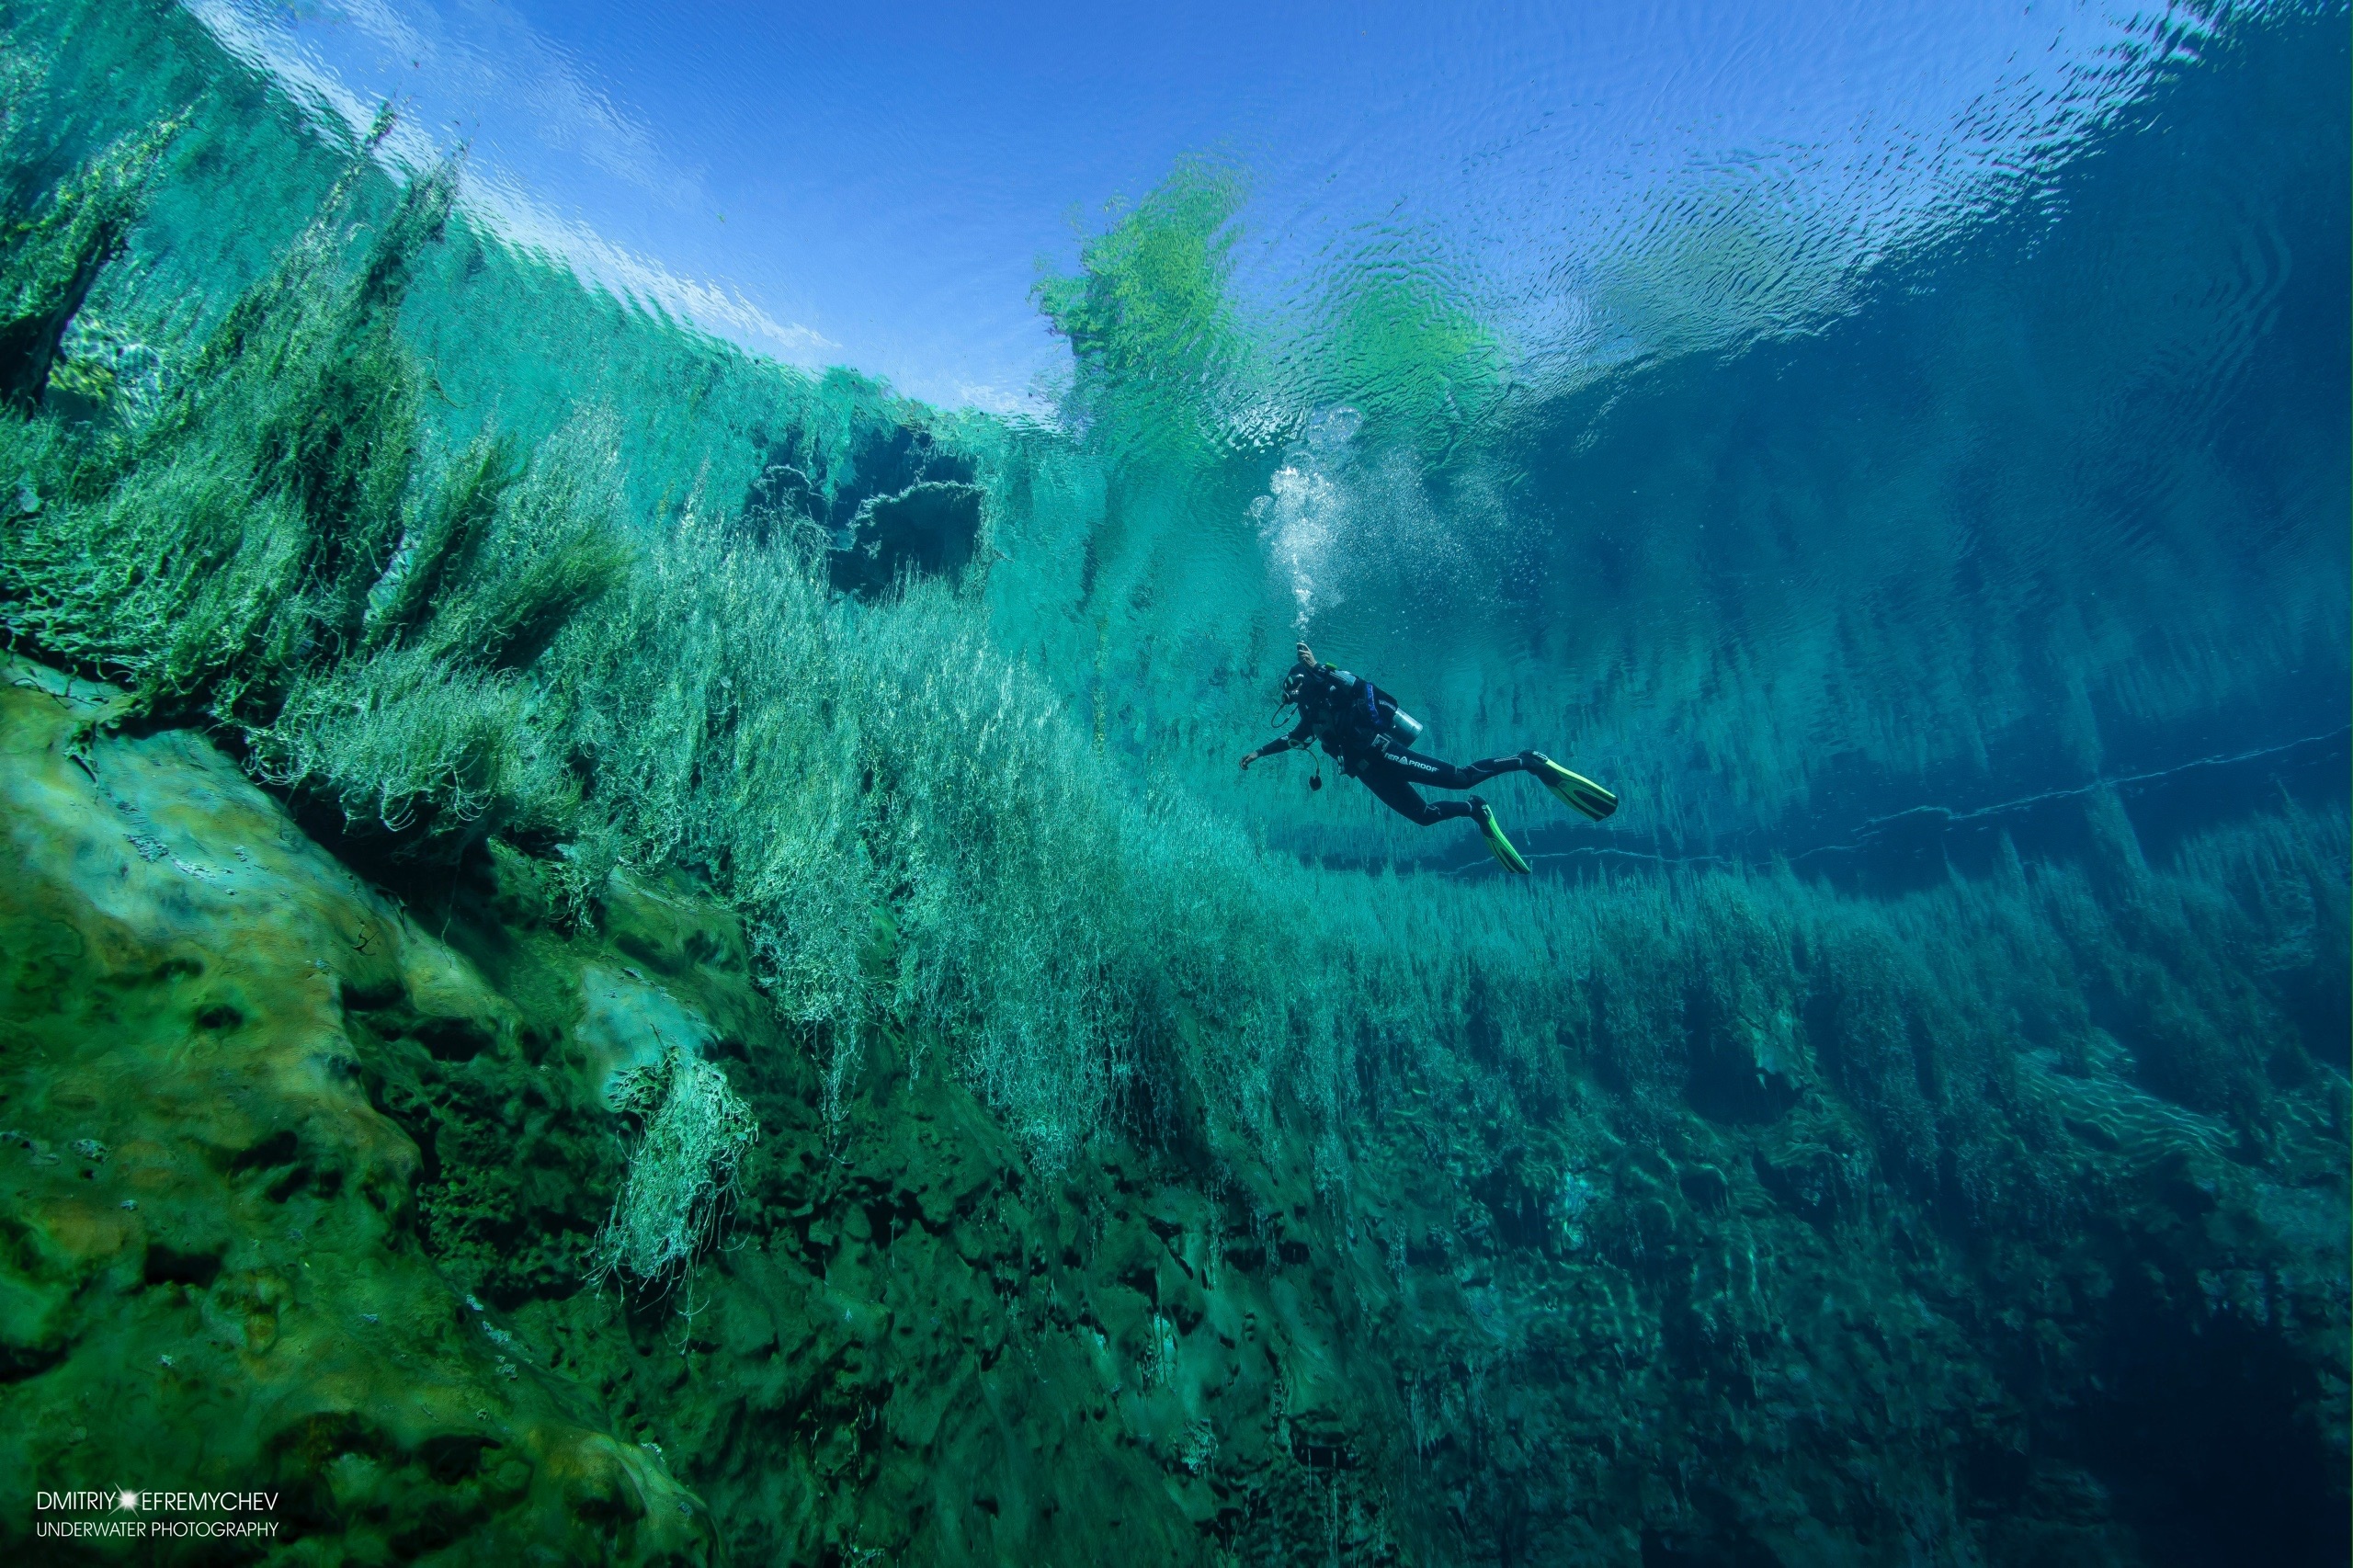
1379,712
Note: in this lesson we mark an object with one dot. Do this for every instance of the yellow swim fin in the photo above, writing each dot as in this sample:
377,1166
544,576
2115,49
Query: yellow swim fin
1494,837
1577,791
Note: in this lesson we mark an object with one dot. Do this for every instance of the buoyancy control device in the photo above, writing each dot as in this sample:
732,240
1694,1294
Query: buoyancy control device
1373,712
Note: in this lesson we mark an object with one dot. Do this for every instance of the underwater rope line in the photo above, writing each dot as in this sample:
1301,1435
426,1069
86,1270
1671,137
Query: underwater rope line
1870,828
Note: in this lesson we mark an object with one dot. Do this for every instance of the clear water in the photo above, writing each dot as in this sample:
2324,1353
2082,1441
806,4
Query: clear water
1896,450
1808,419
1838,417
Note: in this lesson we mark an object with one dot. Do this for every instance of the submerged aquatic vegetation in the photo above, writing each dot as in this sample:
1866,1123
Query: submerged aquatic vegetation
406,745
694,1132
431,733
275,549
230,544
53,257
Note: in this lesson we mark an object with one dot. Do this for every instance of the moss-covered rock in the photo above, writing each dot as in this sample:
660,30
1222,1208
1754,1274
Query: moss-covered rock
218,1272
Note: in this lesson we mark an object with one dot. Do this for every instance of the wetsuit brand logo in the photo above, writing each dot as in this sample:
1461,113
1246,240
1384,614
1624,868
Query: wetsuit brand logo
135,1514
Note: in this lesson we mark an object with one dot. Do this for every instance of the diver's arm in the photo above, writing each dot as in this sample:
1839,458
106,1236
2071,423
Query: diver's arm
1302,735
1279,743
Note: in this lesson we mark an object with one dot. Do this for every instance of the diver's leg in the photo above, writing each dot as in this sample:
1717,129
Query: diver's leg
1429,772
1392,776
1394,787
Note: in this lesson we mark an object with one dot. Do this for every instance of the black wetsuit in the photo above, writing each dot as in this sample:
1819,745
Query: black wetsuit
1326,715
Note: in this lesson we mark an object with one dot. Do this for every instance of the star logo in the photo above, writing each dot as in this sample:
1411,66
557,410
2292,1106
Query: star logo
126,1500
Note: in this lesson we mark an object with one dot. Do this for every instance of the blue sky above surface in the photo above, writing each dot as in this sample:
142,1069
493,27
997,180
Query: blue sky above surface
877,187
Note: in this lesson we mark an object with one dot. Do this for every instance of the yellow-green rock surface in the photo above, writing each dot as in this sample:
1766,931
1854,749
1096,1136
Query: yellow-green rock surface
209,1278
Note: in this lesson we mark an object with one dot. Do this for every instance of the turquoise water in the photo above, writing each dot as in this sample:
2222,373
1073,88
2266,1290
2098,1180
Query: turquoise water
1948,570
2034,500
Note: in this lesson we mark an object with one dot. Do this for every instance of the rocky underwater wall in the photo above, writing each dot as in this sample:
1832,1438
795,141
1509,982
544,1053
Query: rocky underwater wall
569,990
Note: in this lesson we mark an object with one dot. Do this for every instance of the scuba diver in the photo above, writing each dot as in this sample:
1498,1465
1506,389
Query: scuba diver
1362,725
